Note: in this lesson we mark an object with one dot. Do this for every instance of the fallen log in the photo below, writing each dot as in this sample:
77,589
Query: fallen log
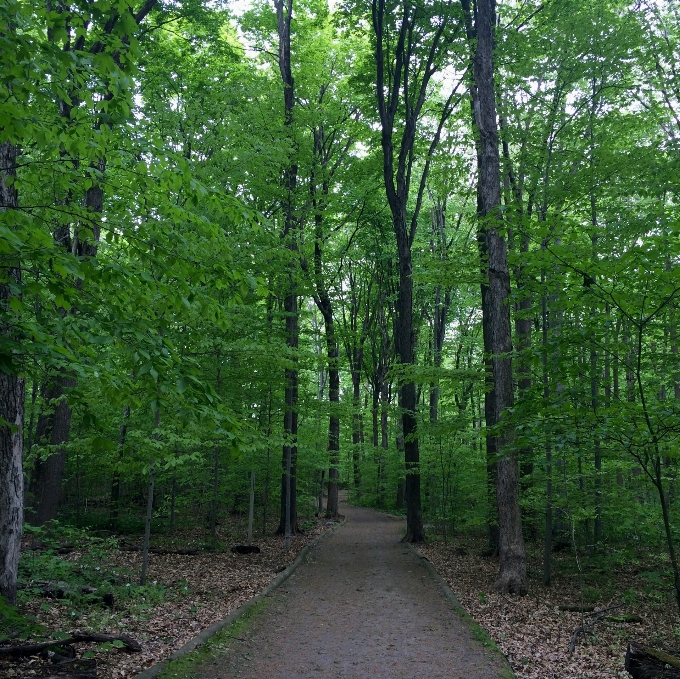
22,650
645,662
245,549
625,618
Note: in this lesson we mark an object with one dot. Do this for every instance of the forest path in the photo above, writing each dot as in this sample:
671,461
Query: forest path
363,606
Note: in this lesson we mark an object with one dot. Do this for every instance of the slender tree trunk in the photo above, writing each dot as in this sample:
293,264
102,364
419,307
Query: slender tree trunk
401,483
334,420
173,500
384,442
404,345
54,428
31,422
357,418
495,310
149,505
265,500
548,537
12,395
251,506
288,519
114,510
323,302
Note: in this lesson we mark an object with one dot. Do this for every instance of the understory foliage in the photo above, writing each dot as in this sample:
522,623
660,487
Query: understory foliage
151,151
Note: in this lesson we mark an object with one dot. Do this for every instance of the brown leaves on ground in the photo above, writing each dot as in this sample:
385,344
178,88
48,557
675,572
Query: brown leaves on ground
201,590
534,634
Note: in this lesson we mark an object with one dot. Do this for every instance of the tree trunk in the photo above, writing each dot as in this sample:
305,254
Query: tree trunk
288,519
114,511
54,428
325,306
548,536
334,420
251,506
495,309
357,423
404,344
149,505
396,91
12,394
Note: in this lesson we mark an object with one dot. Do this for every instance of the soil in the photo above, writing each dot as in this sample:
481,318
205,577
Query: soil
362,605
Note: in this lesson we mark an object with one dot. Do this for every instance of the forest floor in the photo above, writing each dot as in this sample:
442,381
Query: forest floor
532,631
185,594
361,595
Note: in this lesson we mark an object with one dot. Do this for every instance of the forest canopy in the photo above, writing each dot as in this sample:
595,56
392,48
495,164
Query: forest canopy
425,251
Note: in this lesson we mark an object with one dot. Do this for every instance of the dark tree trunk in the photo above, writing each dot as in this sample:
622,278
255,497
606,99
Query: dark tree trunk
395,56
404,345
357,417
401,483
323,302
12,394
384,442
288,519
442,303
360,298
495,309
54,428
114,509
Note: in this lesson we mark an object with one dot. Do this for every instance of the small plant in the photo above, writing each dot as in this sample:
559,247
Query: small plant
13,625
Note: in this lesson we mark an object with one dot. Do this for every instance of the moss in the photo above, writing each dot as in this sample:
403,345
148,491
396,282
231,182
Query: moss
660,656
481,635
187,666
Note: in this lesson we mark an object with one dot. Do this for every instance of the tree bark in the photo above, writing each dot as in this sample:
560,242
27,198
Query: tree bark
323,302
54,428
495,309
114,510
12,395
288,519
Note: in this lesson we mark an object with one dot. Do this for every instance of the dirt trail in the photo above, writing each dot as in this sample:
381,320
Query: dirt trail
363,606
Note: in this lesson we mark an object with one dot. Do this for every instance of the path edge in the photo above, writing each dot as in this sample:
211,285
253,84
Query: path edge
478,631
215,628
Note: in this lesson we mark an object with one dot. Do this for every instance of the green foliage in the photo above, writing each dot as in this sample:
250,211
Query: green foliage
15,625
80,585
175,309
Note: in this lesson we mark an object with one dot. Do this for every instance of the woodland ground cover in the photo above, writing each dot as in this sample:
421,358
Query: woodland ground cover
185,594
535,635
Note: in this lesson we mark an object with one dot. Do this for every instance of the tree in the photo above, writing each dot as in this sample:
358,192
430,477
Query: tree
12,393
495,299
409,49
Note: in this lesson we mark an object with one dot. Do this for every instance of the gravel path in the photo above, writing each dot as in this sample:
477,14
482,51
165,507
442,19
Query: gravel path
363,606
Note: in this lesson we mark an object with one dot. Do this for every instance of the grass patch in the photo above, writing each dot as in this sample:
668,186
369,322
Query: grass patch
187,666
480,634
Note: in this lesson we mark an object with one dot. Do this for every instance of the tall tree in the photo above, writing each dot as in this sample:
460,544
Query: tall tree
410,47
288,522
495,297
12,392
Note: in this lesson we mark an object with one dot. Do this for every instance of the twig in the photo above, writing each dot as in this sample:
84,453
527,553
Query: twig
586,628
